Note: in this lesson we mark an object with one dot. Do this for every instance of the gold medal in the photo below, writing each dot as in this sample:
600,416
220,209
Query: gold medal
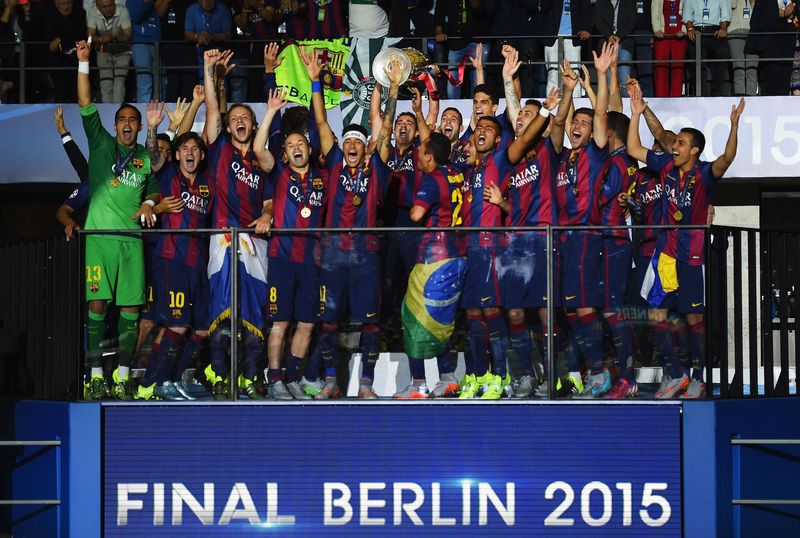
305,212
469,197
115,182
575,191
678,216
356,200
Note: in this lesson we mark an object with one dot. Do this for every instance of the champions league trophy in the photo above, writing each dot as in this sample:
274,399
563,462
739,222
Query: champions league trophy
413,63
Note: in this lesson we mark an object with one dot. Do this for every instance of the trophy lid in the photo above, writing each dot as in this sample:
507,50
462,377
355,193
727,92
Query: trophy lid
382,60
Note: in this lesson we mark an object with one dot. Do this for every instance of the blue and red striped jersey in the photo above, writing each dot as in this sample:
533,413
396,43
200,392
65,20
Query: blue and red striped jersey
491,169
578,183
353,198
327,19
685,201
189,249
647,193
506,134
440,195
618,178
291,194
239,185
529,188
404,183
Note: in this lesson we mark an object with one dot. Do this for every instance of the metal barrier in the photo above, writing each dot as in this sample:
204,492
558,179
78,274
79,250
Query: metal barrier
694,65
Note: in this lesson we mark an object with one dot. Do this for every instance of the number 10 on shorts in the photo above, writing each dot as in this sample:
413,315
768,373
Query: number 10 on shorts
597,502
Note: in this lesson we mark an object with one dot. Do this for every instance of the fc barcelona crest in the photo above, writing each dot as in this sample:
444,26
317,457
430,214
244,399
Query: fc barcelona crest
203,190
176,313
94,287
138,163
317,183
273,308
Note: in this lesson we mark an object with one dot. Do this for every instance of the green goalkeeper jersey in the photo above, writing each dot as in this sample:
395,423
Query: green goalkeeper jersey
114,199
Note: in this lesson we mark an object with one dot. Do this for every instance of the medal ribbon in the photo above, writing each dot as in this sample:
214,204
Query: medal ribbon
302,198
572,169
120,165
356,185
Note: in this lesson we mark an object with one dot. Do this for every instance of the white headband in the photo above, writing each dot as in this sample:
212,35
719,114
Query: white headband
355,134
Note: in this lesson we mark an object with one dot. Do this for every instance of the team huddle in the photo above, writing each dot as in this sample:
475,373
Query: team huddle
276,179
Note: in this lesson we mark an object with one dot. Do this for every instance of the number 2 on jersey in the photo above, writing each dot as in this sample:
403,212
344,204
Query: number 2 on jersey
456,199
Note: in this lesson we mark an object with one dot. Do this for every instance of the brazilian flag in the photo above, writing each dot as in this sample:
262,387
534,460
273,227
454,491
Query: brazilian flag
429,308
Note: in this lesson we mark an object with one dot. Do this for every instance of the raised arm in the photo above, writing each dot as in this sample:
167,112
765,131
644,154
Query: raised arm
155,115
724,161
602,63
82,50
634,143
375,114
423,129
520,146
313,69
198,97
569,79
614,95
510,68
176,116
477,63
586,84
76,157
275,101
395,73
213,126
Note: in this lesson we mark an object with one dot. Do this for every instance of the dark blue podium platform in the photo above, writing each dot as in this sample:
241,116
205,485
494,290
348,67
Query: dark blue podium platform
540,468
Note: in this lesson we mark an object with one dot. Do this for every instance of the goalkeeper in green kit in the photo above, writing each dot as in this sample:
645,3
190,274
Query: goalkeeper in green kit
122,191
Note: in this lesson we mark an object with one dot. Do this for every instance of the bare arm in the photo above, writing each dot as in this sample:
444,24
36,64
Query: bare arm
477,63
724,161
417,213
600,121
375,114
422,123
275,101
586,84
665,138
326,137
614,95
510,67
155,115
634,143
198,97
569,79
394,72
213,126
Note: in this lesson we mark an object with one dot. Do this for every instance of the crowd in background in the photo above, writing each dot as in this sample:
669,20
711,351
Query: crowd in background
656,35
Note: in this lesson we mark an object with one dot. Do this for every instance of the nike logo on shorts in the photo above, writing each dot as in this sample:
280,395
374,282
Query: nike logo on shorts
695,305
569,297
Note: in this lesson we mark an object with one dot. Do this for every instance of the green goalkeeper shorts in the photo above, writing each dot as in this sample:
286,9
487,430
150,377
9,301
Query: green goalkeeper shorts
114,270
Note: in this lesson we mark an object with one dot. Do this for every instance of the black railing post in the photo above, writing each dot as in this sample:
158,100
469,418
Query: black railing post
157,71
752,310
551,376
782,385
737,384
234,367
766,315
22,75
698,65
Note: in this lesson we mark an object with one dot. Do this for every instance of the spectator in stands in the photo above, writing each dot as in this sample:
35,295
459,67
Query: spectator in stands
615,21
7,38
326,19
710,18
208,25
176,53
368,19
255,19
109,25
292,19
643,51
745,64
413,19
769,18
569,19
462,19
64,25
146,20
670,44
516,18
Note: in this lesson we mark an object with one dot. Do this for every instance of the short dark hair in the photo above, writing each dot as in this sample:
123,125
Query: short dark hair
355,127
128,105
698,140
534,102
619,122
489,90
492,119
584,110
438,145
186,137
457,111
406,113
164,137
295,120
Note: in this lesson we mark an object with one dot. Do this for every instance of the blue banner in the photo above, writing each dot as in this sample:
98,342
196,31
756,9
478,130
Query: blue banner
527,469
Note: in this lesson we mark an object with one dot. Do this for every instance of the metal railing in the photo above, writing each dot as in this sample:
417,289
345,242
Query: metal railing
694,62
